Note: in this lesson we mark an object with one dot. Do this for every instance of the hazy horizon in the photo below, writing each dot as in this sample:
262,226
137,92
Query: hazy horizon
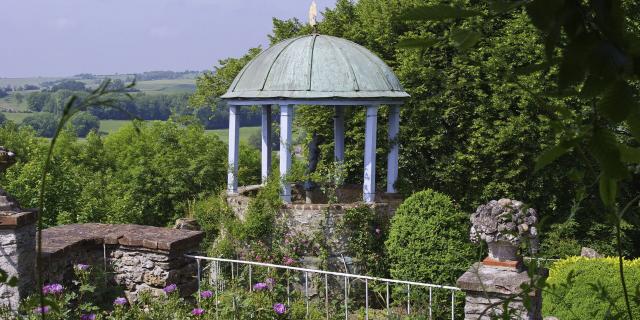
60,38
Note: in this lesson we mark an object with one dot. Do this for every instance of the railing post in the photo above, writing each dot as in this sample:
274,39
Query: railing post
326,295
346,298
388,309
198,266
366,301
306,291
408,299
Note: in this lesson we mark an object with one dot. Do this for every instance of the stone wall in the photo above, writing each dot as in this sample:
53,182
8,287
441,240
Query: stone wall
138,257
17,255
311,219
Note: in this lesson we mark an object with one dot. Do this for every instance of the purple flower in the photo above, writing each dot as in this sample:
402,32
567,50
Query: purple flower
120,301
259,286
197,312
53,288
206,294
279,308
170,288
40,310
89,316
82,267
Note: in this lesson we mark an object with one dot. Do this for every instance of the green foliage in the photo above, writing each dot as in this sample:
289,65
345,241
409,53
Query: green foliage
84,122
573,281
127,177
249,168
3,119
209,213
44,123
367,233
428,240
261,213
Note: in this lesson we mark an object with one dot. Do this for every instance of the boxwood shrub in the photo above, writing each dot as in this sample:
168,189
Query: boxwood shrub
429,240
582,288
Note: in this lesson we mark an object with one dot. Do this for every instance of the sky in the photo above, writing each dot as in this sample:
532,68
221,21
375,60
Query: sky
66,37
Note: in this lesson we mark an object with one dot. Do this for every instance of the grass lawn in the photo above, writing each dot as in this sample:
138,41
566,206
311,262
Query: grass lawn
245,132
109,126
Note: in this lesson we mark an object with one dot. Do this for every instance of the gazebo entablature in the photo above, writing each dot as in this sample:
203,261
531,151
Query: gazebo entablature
316,70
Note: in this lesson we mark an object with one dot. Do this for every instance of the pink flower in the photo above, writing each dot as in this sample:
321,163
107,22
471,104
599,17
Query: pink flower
40,310
53,288
197,312
279,308
288,261
378,231
206,294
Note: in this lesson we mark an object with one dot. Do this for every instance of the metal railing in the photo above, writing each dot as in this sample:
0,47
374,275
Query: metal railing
215,268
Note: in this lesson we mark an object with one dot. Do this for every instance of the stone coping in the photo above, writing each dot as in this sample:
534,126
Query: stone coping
381,198
19,219
481,278
61,239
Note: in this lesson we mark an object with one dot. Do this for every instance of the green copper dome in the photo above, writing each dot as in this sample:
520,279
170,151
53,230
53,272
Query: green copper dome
316,67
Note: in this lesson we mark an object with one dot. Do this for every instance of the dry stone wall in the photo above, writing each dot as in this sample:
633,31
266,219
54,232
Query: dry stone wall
139,257
17,255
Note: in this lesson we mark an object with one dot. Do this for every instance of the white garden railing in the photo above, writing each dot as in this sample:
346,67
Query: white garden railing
214,265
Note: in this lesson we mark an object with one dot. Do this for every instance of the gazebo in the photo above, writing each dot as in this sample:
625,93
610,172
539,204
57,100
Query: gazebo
316,70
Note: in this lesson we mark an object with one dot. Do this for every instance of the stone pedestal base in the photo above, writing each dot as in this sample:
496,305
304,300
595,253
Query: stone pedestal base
17,256
488,287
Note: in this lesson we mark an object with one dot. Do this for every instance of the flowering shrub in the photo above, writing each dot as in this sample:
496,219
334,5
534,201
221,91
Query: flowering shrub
267,301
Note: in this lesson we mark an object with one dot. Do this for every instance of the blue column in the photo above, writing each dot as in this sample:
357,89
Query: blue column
234,143
369,186
286,122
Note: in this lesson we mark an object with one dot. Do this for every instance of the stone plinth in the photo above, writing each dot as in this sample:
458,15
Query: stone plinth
487,287
17,254
140,257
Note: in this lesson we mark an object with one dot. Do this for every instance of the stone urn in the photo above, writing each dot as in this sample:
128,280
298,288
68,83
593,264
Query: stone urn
7,159
504,224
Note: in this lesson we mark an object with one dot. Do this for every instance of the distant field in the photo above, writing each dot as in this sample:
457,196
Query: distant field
151,86
109,126
166,86
245,132
17,117
18,82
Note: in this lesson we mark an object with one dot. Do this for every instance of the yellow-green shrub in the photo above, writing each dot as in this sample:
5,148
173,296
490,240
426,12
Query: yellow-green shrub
582,288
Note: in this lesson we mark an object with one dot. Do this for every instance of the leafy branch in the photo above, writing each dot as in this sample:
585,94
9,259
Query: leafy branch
103,96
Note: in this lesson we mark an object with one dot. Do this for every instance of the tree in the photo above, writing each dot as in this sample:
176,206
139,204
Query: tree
84,122
36,101
19,97
3,118
44,123
3,93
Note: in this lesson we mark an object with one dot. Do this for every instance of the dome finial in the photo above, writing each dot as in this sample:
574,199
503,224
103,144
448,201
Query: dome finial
313,15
